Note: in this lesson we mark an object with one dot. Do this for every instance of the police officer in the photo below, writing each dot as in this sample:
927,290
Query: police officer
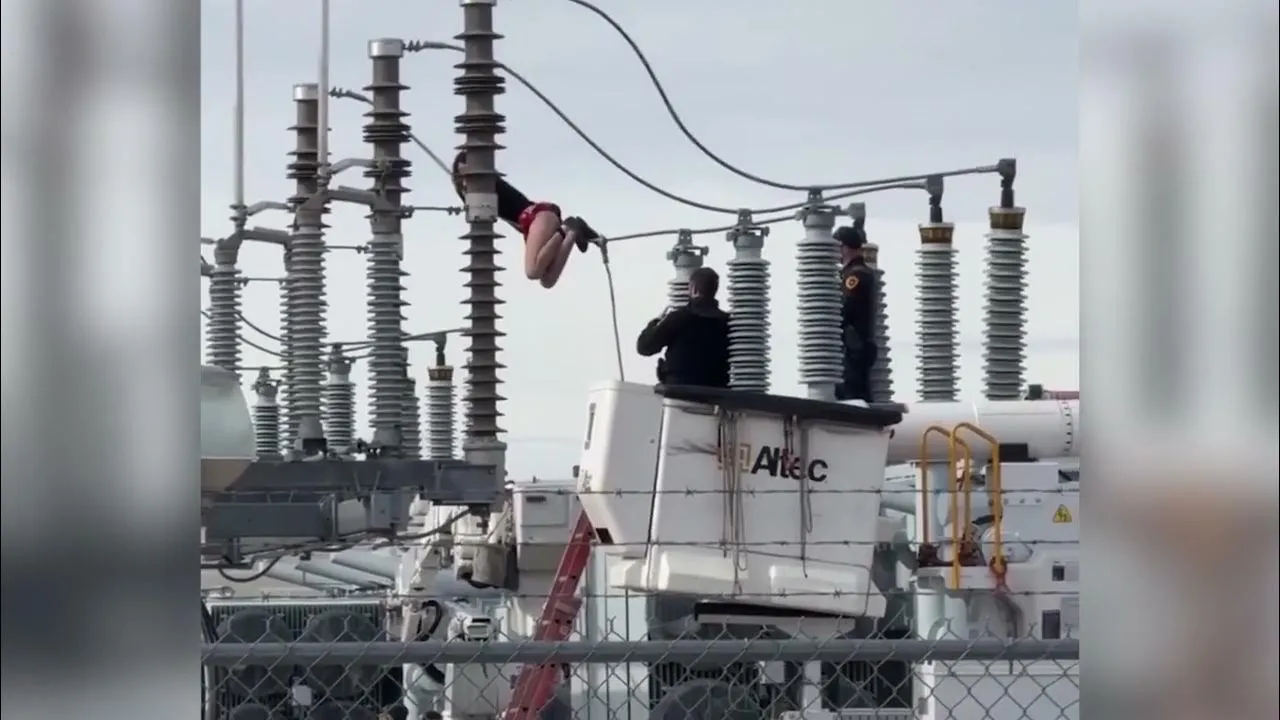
858,284
695,337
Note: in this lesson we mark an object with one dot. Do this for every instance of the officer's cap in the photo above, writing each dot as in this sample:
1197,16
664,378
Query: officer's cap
851,238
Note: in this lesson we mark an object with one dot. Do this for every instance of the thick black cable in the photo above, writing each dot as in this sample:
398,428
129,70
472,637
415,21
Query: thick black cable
249,324
684,130
246,341
889,183
764,221
430,45
257,575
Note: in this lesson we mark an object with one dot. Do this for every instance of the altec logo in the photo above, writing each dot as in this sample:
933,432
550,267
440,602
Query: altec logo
778,463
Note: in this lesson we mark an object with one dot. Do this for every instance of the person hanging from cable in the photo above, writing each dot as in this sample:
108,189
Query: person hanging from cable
858,284
549,237
695,337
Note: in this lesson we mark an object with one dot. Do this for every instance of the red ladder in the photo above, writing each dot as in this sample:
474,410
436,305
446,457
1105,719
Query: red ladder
536,684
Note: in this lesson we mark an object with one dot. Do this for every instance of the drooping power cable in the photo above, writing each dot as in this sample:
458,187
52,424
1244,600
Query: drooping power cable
684,130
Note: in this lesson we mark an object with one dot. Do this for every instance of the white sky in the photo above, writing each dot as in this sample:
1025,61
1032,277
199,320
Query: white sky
843,91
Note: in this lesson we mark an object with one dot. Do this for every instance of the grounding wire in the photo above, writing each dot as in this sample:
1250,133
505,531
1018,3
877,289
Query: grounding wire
684,130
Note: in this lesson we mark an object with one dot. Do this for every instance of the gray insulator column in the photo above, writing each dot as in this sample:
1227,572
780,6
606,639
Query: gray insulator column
480,125
821,342
266,417
304,283
340,403
386,131
749,308
222,329
882,371
937,326
685,257
442,432
411,423
1005,321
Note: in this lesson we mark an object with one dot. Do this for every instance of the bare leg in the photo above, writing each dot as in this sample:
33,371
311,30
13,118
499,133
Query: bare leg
566,248
545,252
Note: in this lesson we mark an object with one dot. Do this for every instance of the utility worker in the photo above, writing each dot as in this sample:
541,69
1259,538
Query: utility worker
858,284
549,238
696,337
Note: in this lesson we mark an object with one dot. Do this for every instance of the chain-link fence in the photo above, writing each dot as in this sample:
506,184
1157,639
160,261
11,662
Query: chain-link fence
338,663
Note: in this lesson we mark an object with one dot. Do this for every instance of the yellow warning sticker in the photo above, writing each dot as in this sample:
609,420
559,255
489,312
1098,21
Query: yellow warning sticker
1062,516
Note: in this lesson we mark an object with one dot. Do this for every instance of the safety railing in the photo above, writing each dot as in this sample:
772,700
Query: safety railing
959,484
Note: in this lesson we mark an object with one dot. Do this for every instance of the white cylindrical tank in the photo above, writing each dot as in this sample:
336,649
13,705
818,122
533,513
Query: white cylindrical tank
226,429
1049,428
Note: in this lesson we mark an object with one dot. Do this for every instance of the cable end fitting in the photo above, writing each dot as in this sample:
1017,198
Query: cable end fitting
934,186
1008,169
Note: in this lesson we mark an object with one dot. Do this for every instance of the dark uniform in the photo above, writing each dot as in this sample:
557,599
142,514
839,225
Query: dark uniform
696,338
858,285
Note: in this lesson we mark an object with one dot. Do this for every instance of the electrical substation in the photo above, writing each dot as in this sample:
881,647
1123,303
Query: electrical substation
787,557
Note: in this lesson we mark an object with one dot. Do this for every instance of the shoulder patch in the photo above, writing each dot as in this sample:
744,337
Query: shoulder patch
851,282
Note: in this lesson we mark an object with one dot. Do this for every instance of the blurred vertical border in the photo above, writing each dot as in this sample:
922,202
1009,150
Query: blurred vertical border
1178,141
101,123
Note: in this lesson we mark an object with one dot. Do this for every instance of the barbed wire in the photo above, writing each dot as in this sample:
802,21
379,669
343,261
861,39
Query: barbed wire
549,490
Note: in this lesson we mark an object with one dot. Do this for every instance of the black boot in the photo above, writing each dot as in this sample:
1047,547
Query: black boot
585,235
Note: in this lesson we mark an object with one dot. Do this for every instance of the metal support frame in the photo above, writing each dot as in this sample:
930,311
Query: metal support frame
312,499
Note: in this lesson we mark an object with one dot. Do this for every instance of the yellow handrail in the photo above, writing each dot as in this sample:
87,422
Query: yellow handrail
923,486
958,485
995,495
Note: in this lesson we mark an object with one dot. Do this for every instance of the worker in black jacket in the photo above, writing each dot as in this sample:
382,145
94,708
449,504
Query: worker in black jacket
858,285
696,337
